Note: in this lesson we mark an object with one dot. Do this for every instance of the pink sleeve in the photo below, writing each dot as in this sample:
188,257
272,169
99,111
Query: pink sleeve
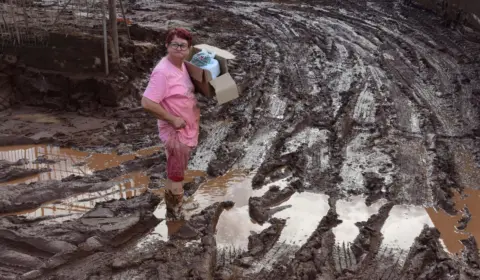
157,87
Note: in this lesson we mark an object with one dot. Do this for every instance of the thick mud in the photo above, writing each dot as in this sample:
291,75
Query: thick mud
352,153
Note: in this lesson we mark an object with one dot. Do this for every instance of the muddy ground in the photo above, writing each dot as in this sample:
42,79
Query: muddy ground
354,117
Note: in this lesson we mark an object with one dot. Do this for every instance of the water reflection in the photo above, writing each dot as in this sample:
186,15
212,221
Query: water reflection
67,161
235,185
469,176
304,215
351,211
447,224
234,225
403,225
126,186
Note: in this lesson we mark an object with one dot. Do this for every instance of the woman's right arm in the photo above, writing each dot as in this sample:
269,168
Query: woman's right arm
154,93
160,113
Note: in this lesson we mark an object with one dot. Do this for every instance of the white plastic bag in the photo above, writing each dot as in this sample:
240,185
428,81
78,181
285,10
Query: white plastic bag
202,58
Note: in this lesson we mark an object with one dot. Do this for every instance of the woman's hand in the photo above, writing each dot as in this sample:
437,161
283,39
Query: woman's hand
177,122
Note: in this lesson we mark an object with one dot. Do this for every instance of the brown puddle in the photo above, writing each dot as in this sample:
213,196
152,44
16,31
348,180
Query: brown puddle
469,176
67,161
447,224
125,186
234,225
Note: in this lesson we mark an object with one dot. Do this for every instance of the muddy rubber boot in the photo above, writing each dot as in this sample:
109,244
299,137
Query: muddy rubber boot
174,203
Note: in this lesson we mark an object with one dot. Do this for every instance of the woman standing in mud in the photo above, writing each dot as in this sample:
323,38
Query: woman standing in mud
170,97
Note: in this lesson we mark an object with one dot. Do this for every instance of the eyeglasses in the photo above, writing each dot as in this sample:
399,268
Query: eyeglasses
178,46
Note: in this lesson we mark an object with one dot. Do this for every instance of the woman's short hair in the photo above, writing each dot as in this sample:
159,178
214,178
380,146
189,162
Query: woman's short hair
180,33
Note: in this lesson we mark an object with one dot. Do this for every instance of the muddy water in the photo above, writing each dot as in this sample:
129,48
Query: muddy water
126,186
305,212
234,225
448,225
353,210
469,178
404,224
64,161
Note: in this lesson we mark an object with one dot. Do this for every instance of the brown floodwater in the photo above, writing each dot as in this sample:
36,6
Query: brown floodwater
447,224
469,178
235,225
67,161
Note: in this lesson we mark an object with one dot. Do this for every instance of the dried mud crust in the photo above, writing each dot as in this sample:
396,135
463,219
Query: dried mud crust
352,98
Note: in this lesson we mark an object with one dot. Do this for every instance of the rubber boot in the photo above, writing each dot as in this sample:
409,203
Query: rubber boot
174,202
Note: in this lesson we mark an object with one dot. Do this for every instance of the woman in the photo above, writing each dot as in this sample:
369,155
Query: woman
170,97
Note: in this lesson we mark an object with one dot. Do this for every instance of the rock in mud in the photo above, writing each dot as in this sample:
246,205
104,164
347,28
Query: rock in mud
466,217
91,244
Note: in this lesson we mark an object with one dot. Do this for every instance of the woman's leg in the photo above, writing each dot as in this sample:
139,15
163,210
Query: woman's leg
174,200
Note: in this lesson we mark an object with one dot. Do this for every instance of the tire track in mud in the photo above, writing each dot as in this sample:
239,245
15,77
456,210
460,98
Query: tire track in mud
378,83
366,84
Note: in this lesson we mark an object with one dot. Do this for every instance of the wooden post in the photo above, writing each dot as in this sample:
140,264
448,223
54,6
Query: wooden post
113,25
12,12
125,20
105,45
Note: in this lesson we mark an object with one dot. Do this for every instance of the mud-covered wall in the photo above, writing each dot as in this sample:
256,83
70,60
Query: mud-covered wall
460,11
68,73
5,92
65,53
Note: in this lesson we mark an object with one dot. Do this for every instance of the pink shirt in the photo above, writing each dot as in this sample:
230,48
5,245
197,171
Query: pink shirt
173,89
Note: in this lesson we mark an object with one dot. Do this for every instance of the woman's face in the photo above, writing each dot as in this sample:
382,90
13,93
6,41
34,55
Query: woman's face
178,48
